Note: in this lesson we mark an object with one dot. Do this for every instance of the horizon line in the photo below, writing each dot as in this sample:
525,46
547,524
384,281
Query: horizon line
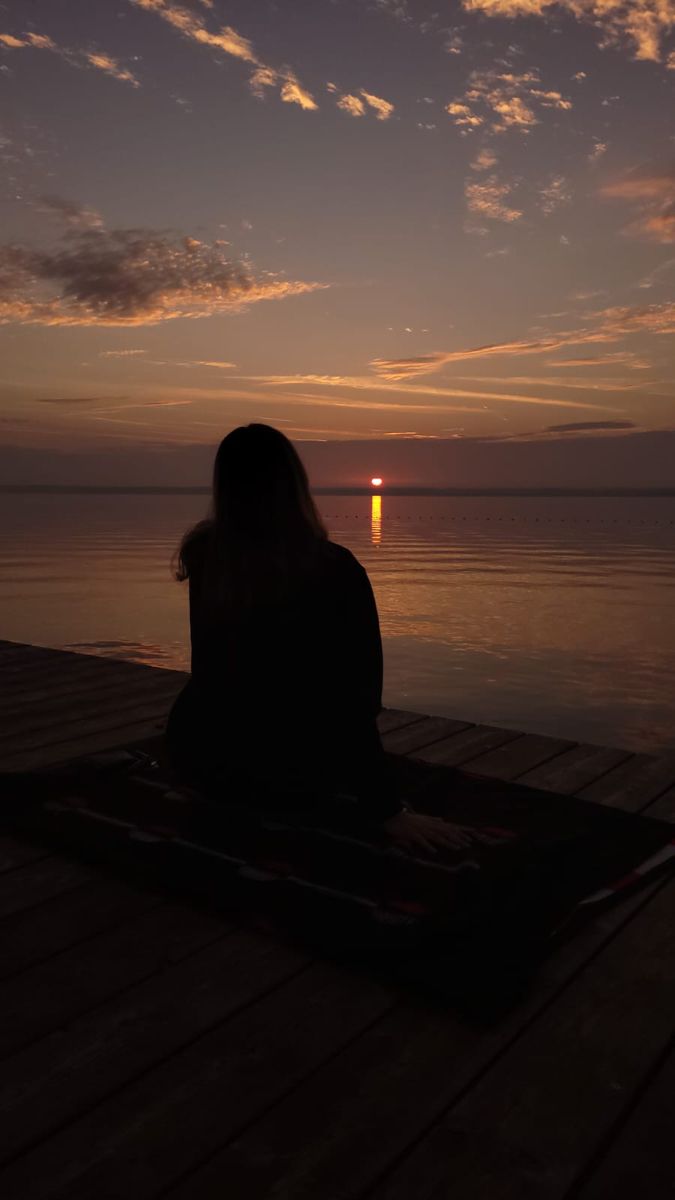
409,490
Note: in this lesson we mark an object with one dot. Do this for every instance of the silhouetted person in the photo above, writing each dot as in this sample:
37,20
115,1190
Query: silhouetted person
286,679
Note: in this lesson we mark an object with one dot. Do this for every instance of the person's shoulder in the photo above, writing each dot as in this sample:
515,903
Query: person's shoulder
195,543
342,557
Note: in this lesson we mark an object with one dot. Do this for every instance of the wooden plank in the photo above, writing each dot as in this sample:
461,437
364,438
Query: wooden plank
472,743
61,1076
15,853
93,685
59,989
53,734
139,1139
575,768
528,1127
396,718
37,933
413,737
39,725
39,881
105,739
335,1135
87,744
633,784
663,808
334,1138
22,676
639,1161
517,756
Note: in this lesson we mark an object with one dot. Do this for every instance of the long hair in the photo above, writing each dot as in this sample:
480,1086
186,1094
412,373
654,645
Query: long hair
263,528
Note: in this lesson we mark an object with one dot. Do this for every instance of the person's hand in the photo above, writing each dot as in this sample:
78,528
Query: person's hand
420,831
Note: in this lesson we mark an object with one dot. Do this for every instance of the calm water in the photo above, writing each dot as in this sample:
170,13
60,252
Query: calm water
548,615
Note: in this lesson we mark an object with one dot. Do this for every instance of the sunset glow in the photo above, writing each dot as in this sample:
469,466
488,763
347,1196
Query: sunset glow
463,236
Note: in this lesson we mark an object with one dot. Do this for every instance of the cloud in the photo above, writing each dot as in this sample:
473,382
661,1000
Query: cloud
353,105
368,384
128,277
227,40
640,24
484,160
356,105
653,193
622,358
581,426
75,216
610,325
120,353
77,58
487,199
599,148
554,193
504,101
383,108
75,399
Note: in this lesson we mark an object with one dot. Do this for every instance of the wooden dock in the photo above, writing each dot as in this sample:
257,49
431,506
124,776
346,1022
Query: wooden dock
153,1048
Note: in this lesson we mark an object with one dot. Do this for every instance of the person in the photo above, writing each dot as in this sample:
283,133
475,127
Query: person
286,652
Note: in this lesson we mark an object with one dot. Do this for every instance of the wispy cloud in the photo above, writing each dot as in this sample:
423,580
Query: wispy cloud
554,193
75,216
487,199
351,104
642,25
622,358
504,101
95,59
590,426
121,353
366,383
129,277
382,108
608,325
653,193
228,41
357,104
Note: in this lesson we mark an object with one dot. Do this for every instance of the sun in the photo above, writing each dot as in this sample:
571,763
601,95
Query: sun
376,482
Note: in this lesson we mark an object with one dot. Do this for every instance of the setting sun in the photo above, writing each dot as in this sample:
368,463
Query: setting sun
376,482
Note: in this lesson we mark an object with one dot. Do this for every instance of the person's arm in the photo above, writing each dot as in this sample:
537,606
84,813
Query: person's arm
365,643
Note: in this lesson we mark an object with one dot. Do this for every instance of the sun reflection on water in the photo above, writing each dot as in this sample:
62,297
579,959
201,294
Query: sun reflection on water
376,520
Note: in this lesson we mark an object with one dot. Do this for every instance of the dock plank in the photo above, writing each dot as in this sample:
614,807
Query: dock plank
512,758
634,783
15,853
57,990
144,1136
333,1139
58,1078
639,1161
40,880
413,737
467,745
45,929
529,1127
26,729
576,768
93,687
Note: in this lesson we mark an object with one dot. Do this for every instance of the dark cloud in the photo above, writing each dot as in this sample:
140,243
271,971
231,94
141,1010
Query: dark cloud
75,216
580,426
75,399
128,277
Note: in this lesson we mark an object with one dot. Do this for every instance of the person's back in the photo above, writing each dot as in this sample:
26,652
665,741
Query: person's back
286,679
308,663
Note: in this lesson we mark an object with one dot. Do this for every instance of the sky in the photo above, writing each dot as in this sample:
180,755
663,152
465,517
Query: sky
428,238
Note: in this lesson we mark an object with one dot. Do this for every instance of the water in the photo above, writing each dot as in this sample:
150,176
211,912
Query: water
550,615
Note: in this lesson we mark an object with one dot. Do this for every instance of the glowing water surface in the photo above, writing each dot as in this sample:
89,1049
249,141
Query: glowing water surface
550,615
